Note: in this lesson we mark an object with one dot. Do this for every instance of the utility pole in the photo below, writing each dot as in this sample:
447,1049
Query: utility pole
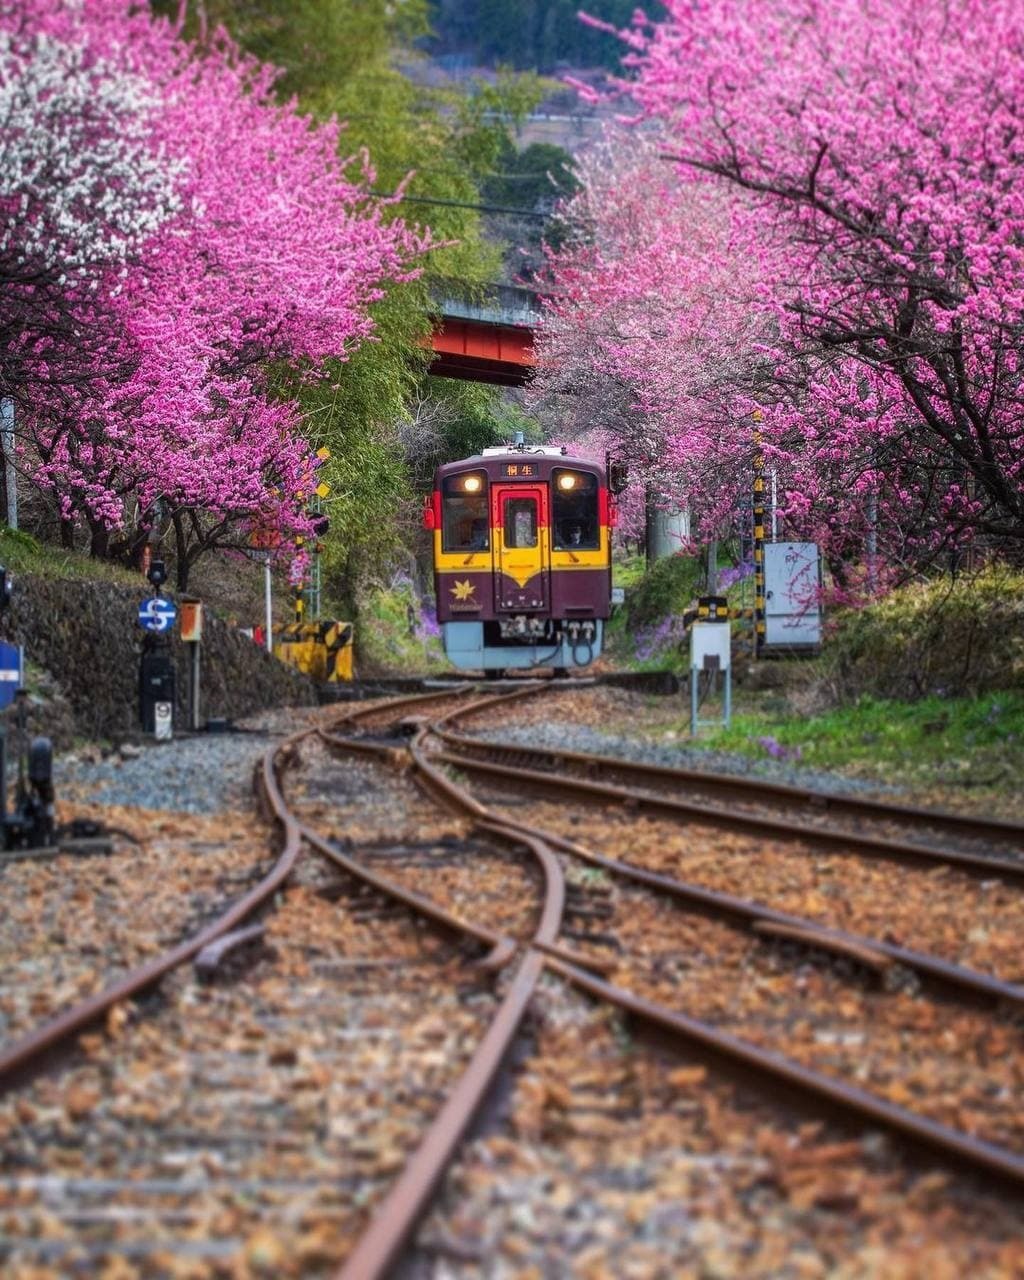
7,447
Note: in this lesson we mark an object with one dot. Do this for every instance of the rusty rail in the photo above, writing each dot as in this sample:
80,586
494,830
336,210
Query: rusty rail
395,1219
846,842
943,974
1006,1165
747,788
381,1245
975,1153
31,1048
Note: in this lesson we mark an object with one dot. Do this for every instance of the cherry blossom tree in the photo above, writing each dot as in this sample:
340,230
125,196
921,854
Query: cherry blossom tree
81,190
270,257
874,153
639,349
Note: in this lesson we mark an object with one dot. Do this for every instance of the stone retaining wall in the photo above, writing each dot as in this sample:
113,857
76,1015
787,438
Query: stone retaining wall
85,638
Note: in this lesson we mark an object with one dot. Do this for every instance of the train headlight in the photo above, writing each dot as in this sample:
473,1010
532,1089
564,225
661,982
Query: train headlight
567,480
471,484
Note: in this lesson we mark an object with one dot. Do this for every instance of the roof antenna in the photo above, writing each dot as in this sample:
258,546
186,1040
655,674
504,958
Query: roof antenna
520,441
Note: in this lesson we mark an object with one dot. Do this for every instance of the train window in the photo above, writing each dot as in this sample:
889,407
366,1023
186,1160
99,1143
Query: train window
574,509
465,526
520,521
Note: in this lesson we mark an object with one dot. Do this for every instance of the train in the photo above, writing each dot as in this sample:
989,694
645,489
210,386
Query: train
522,558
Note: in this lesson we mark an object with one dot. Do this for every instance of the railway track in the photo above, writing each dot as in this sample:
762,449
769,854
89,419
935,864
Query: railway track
510,908
586,973
868,827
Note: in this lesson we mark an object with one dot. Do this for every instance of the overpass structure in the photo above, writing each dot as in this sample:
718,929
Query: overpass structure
489,339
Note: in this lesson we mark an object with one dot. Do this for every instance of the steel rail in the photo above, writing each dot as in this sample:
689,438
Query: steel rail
747,787
501,948
394,1221
950,1143
979,1154
530,689
850,843
945,975
30,1048
405,702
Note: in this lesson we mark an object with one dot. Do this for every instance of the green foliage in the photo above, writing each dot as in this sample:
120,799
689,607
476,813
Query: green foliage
532,178
345,58
664,591
390,639
534,33
948,637
950,742
479,418
21,553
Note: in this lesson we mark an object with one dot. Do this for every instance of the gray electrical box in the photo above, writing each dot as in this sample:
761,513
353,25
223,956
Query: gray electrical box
710,656
710,646
792,595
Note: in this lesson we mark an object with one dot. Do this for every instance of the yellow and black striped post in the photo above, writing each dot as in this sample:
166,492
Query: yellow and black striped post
759,601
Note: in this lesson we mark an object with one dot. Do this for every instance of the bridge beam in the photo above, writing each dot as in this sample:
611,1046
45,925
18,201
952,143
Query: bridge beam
495,354
488,340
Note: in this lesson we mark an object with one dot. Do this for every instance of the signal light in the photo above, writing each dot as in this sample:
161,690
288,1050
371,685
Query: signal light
320,525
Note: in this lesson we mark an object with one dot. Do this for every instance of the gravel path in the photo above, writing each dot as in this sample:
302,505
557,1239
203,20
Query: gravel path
208,773
565,735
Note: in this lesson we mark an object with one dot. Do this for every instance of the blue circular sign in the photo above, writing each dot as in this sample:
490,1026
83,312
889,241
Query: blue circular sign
157,614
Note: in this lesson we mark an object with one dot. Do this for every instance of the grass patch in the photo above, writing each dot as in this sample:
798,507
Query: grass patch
950,637
965,742
21,553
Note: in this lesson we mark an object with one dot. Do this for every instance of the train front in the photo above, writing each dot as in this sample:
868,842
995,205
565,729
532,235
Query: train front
522,559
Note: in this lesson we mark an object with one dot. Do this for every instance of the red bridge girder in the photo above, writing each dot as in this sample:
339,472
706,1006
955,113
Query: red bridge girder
479,352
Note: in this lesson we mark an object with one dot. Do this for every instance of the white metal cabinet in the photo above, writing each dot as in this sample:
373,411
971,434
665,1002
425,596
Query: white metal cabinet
792,589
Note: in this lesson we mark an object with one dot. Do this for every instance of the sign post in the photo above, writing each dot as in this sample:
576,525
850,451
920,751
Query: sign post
7,447
191,630
156,616
11,667
710,652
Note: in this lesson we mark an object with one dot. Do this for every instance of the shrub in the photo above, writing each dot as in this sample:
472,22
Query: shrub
952,637
665,590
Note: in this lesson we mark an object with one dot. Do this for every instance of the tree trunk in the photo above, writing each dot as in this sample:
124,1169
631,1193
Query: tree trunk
99,540
181,551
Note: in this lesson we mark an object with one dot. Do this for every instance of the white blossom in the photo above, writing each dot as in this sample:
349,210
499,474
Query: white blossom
80,182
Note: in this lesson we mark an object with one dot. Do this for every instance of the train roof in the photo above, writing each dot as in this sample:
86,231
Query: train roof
542,450
547,454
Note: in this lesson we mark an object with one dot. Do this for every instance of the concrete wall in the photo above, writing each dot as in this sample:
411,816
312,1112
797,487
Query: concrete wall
85,638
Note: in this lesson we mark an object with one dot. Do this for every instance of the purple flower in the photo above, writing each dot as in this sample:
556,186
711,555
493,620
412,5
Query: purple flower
428,627
777,751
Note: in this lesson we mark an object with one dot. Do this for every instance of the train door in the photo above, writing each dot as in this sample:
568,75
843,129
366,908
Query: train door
523,558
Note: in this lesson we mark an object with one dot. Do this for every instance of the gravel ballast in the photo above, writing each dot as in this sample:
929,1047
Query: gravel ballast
565,735
206,773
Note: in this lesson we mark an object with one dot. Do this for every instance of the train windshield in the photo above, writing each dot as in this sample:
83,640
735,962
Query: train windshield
520,522
465,526
574,509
